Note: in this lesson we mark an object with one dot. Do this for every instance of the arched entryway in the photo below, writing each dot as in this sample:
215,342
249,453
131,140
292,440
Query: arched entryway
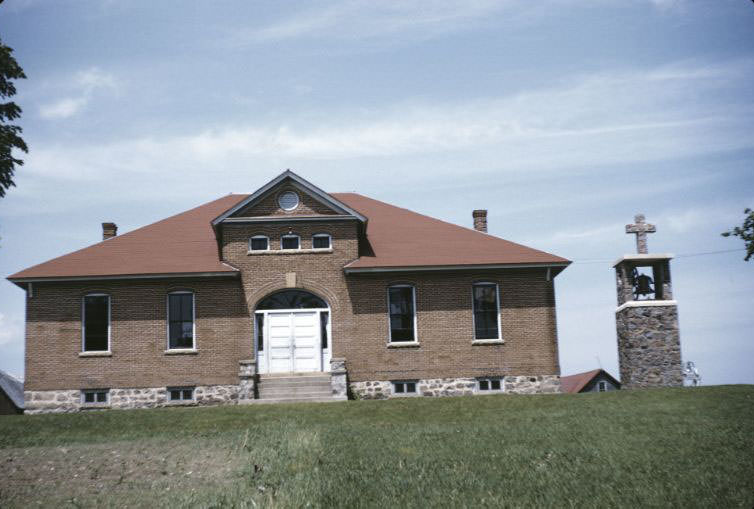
292,333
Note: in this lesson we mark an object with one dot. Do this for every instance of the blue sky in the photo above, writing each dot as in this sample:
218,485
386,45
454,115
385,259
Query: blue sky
564,118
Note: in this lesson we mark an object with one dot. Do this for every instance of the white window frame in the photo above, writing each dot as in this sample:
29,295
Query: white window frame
95,403
290,236
389,325
83,322
257,237
405,383
499,337
602,386
329,241
181,388
489,381
167,320
289,191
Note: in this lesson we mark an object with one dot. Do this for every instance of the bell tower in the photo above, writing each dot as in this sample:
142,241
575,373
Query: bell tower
649,345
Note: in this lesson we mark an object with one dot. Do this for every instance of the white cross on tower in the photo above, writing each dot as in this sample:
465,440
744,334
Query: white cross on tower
640,228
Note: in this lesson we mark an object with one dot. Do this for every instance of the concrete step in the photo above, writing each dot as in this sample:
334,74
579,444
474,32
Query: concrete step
295,394
314,374
313,399
294,387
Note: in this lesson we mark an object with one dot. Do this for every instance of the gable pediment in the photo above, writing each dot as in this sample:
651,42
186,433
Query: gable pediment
289,196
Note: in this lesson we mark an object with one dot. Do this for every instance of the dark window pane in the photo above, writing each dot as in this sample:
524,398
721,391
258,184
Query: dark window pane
259,244
495,385
88,397
484,385
181,320
324,317
485,312
290,242
321,242
101,397
96,322
411,387
401,309
175,394
187,394
260,332
292,299
399,388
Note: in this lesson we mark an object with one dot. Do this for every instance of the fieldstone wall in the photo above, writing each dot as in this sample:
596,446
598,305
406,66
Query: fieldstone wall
382,389
37,402
149,397
338,378
247,375
649,347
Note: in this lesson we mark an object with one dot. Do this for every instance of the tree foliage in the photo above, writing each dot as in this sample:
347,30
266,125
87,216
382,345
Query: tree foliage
746,232
10,135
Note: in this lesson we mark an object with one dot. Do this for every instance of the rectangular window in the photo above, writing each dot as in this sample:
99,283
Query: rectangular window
290,242
321,241
489,384
181,320
602,386
324,318
259,243
181,393
96,323
404,388
402,313
95,396
260,332
486,311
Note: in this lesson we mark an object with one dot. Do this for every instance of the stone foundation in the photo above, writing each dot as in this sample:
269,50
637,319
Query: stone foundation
38,402
433,387
338,378
649,346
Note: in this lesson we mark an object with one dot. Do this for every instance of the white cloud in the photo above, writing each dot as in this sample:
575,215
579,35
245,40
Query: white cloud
365,19
63,108
609,117
11,330
84,85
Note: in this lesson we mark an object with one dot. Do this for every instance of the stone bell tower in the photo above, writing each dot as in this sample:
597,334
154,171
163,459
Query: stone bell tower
649,345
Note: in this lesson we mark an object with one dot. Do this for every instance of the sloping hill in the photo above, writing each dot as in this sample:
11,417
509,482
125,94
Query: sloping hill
660,448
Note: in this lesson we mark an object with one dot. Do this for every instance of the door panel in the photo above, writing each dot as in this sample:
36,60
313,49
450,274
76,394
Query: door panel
279,342
306,342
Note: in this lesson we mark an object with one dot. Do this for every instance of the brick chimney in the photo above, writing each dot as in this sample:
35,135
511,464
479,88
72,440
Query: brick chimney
480,220
109,230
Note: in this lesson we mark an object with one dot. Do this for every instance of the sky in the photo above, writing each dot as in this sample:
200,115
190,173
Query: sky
563,118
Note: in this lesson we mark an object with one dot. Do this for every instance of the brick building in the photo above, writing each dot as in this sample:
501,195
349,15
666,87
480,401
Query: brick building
289,293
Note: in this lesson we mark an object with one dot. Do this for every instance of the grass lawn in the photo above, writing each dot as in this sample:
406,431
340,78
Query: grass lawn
659,448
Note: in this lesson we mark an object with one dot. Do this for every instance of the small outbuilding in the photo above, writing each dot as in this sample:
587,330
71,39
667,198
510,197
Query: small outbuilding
597,380
11,394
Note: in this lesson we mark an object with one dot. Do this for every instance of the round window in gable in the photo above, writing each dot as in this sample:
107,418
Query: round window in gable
288,200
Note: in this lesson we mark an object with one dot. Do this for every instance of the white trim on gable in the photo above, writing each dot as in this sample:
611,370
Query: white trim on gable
300,183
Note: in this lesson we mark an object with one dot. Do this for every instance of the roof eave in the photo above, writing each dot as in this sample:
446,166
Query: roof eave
559,266
20,281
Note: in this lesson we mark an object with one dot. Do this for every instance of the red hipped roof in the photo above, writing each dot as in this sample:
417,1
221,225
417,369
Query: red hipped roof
186,244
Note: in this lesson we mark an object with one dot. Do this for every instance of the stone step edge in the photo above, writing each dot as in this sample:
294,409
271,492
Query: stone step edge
290,400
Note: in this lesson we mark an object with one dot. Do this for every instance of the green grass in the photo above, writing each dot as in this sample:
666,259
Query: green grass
658,448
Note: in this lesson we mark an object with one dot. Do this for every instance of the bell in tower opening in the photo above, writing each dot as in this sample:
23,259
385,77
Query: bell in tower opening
649,348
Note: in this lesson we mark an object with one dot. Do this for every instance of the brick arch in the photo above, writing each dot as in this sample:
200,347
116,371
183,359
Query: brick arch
263,291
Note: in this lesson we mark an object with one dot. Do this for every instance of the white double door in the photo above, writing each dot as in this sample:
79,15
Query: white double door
292,342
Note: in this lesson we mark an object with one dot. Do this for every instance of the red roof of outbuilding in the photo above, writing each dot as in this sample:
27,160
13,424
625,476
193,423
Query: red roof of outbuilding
186,244
575,383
